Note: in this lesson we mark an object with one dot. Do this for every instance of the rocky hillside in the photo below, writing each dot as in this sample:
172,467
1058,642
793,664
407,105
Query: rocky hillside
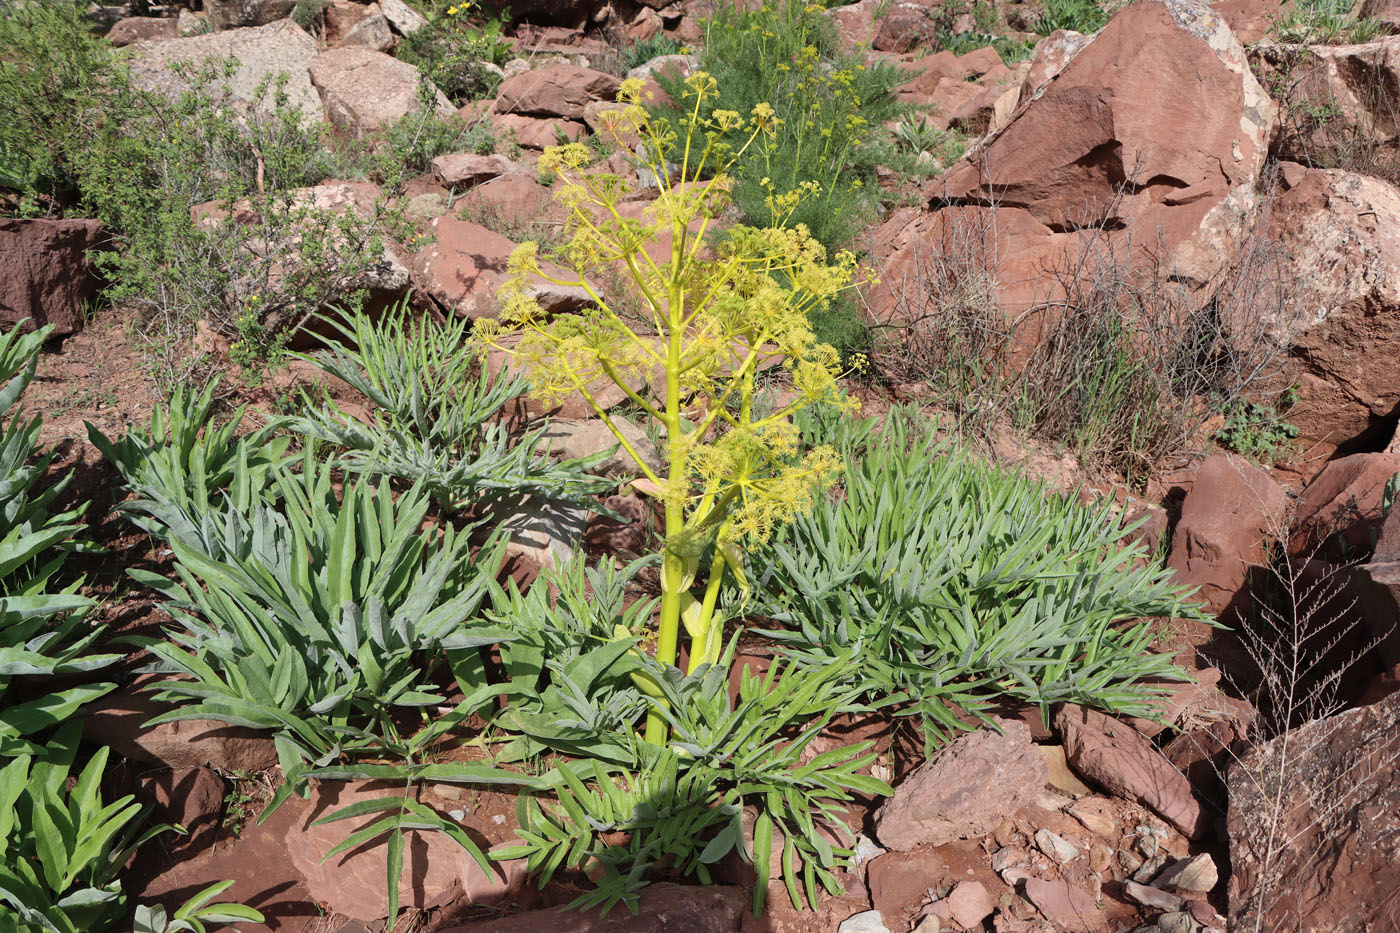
709,465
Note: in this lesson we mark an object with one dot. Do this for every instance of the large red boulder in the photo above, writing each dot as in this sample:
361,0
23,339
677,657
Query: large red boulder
1155,133
1227,521
1314,825
1341,234
48,276
556,91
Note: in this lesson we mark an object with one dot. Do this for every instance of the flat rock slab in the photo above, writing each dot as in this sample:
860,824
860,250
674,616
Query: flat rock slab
966,789
262,52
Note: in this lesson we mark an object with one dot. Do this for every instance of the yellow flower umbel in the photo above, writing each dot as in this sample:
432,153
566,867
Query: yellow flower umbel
713,314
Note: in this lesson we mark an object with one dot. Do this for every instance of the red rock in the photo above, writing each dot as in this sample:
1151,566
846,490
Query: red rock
1314,825
855,23
662,908
48,276
468,169
965,789
1354,83
905,25
363,90
135,29
256,862
899,882
466,264
1162,95
1224,530
1342,504
537,132
353,883
556,91
1341,234
1071,908
970,904
1049,58
189,797
513,204
1251,20
118,720
1115,756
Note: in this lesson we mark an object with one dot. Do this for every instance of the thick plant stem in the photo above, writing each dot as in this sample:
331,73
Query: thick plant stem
701,641
673,583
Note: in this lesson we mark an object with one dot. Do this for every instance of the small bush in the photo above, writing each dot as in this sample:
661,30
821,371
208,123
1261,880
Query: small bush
245,167
959,584
1259,431
1326,22
52,78
454,50
1084,16
434,417
832,109
644,50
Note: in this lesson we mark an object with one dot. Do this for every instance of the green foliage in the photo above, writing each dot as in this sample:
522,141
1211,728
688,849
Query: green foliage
434,416
43,626
1258,430
184,466
959,584
322,617
1010,49
61,849
1327,22
944,146
644,50
193,915
1084,16
51,70
453,48
307,14
832,108
230,264
680,805
396,154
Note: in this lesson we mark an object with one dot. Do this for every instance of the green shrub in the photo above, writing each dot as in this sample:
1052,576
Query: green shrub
1259,430
1084,16
958,585
681,805
53,71
453,48
433,420
832,107
1326,22
644,50
230,266
44,629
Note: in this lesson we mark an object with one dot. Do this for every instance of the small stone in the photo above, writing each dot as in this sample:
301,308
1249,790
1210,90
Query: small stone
866,850
1008,857
930,924
1091,815
868,921
1176,922
1006,834
1100,857
1055,846
1015,875
1147,842
970,904
1196,875
458,815
1061,777
1129,859
1151,897
1149,869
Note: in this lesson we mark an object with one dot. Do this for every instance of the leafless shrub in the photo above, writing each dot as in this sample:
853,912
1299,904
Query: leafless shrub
1116,357
1295,787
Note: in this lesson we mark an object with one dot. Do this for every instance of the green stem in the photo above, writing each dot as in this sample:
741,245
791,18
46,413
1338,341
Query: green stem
707,611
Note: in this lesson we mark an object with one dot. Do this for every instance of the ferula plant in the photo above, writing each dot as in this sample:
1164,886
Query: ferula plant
706,315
